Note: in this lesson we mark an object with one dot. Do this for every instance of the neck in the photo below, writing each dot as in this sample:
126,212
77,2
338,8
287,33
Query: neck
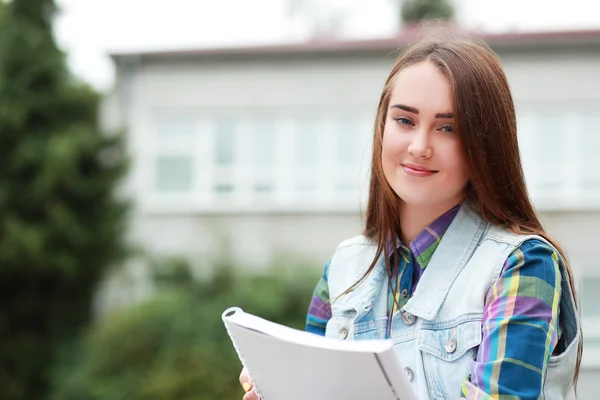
415,218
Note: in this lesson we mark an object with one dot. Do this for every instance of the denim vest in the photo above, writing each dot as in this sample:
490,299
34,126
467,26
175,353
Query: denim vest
437,333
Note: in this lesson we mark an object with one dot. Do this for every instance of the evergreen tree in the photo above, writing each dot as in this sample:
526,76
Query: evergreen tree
61,222
413,11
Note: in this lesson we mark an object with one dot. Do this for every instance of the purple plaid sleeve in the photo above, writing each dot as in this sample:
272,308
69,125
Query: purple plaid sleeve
319,311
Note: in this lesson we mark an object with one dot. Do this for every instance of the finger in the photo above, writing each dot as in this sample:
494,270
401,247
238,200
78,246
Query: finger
244,378
247,386
251,395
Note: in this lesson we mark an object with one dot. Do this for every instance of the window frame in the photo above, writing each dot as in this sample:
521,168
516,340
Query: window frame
243,173
571,194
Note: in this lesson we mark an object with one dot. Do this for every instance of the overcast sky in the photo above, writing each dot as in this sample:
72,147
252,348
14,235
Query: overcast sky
89,29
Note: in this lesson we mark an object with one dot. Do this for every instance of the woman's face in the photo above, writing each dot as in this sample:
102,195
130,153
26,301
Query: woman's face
422,158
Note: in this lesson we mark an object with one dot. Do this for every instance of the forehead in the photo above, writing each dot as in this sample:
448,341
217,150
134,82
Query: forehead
422,86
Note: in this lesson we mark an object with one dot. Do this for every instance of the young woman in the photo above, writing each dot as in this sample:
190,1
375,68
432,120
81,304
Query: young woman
453,265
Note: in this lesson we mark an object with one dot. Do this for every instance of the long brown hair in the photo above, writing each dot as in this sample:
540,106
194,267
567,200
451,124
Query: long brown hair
486,126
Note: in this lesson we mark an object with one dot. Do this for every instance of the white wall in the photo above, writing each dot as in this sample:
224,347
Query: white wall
287,87
559,83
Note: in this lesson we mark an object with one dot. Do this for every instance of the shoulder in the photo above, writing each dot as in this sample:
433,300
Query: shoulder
533,245
537,245
355,247
538,249
351,260
358,240
535,257
530,255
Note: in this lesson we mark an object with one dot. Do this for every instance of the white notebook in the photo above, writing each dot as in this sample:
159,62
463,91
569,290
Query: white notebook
289,364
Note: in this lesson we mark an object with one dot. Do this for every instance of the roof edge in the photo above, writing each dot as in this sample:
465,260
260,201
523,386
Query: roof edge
405,36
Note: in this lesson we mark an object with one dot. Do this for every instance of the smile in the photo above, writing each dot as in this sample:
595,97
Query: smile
417,170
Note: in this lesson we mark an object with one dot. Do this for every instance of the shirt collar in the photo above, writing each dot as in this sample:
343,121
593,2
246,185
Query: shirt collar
424,245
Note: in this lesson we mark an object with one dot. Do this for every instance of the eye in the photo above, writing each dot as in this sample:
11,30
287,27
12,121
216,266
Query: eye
404,121
449,129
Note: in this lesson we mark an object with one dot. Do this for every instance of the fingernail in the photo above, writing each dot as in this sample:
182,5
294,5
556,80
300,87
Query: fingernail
246,386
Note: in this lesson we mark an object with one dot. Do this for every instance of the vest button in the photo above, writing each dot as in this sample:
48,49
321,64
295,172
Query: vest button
343,333
404,293
409,373
450,345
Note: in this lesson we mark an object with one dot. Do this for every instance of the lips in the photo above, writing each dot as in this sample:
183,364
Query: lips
418,170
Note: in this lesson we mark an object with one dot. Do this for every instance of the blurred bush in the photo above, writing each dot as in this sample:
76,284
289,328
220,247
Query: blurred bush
175,346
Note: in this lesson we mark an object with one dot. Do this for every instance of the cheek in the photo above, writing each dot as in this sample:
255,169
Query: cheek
394,146
456,163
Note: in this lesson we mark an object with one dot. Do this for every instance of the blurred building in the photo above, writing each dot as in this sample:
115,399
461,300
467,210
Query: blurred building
264,151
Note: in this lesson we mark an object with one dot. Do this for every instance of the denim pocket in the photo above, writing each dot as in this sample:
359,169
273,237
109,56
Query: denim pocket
447,354
340,326
370,328
353,322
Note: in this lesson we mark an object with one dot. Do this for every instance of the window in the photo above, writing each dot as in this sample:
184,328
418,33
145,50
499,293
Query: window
350,142
175,134
172,158
265,161
173,174
352,138
550,134
526,128
264,140
590,296
307,156
559,143
590,171
224,143
589,291
170,128
224,139
307,142
264,143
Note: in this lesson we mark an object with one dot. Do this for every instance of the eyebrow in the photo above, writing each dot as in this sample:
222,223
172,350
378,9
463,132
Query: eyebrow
415,111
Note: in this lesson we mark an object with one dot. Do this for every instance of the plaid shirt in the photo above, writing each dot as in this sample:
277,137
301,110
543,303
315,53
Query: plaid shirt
520,317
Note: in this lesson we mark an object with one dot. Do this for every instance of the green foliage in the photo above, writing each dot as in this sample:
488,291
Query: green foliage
60,223
420,10
175,347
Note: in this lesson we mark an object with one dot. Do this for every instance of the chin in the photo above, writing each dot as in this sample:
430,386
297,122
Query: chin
428,199
413,198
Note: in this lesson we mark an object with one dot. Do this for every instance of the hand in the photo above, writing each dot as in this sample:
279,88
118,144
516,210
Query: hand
247,386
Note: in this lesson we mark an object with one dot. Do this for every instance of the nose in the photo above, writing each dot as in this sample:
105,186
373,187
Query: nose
420,145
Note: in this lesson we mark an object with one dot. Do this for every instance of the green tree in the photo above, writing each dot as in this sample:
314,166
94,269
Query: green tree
419,10
61,223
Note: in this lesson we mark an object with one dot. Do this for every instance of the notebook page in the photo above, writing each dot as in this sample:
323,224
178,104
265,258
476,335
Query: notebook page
290,371
301,337
290,364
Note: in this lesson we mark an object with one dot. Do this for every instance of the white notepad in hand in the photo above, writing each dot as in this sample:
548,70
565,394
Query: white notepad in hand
289,364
